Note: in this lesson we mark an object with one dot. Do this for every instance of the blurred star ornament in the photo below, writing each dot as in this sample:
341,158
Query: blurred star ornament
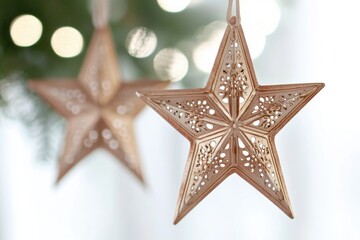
98,106
231,124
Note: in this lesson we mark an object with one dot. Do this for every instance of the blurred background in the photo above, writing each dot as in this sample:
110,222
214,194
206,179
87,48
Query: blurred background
291,41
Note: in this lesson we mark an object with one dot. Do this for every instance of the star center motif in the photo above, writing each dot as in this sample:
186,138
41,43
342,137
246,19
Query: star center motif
231,125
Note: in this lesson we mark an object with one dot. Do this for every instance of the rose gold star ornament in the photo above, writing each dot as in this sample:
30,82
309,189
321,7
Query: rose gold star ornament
98,106
231,124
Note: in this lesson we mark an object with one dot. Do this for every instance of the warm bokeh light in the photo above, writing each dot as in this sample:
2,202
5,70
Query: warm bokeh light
256,42
171,64
262,15
205,52
258,22
67,42
141,42
173,5
26,30
204,55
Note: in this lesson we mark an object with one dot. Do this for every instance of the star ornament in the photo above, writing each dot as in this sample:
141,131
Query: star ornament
231,125
98,106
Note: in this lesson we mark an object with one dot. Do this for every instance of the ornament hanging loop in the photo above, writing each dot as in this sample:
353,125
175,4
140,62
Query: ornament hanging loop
100,13
233,20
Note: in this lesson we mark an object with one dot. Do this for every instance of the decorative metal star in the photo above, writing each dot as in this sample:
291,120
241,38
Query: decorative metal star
231,124
99,107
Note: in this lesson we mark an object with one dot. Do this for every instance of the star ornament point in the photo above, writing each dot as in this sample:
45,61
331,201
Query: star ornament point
98,106
231,125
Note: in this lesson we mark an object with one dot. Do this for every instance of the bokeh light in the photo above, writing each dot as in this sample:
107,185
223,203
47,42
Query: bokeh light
141,42
171,64
262,15
67,42
210,37
204,55
173,5
26,30
259,19
256,42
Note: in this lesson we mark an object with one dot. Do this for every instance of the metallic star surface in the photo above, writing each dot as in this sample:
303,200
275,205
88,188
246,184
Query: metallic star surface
98,106
231,125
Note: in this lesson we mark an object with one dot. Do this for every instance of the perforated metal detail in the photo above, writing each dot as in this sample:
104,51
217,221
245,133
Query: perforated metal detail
231,124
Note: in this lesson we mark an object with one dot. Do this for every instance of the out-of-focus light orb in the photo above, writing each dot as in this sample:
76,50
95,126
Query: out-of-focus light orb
25,30
141,42
173,5
204,53
67,42
204,56
171,64
256,43
259,19
264,15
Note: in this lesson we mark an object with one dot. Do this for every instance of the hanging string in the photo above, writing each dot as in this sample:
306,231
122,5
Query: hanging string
230,18
100,13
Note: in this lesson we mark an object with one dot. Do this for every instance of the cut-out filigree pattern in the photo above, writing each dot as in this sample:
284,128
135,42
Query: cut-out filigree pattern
266,111
100,78
99,109
210,159
198,116
73,99
232,79
192,118
122,130
244,119
255,158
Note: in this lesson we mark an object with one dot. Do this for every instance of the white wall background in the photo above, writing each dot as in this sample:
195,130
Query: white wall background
317,41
